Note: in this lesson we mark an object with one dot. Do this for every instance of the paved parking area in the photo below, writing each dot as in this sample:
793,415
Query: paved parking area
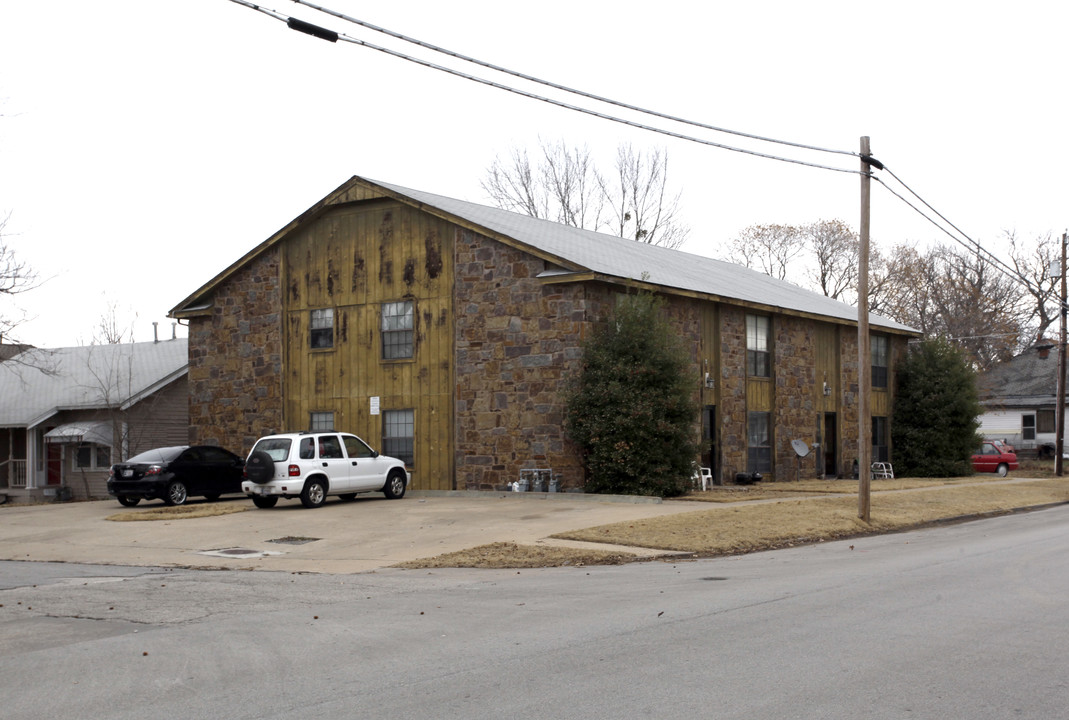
340,537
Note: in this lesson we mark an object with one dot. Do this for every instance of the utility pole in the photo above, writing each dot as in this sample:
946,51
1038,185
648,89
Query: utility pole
864,348
1059,417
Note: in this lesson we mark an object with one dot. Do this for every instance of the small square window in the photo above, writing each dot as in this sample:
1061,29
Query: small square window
398,323
321,421
322,325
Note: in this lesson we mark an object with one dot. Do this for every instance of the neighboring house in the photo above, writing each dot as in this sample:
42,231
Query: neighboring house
1020,401
441,331
68,414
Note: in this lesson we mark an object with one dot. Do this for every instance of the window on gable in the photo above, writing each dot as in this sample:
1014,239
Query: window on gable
398,322
398,435
758,357
879,361
322,328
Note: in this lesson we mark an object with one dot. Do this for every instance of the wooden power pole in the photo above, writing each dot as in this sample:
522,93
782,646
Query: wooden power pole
864,348
1059,417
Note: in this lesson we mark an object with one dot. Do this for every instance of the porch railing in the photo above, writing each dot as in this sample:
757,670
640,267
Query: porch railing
14,472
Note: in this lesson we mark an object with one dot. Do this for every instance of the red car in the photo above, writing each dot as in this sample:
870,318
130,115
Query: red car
993,458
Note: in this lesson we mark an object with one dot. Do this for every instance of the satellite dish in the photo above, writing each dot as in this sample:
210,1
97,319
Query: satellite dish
800,447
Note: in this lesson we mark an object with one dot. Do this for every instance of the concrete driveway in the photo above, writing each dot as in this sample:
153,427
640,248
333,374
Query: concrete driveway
340,537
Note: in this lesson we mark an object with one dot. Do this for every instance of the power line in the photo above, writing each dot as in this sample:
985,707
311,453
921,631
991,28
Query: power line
564,88
332,36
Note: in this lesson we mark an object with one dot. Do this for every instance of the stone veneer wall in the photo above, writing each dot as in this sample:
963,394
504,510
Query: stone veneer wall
235,360
516,340
848,407
732,408
795,413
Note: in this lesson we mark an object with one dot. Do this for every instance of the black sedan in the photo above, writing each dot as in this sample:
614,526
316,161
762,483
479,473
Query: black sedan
172,474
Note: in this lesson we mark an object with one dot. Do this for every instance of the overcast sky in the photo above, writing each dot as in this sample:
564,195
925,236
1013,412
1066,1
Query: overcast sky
145,146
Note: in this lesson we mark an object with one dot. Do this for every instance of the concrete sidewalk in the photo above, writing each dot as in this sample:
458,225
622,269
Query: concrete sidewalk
340,537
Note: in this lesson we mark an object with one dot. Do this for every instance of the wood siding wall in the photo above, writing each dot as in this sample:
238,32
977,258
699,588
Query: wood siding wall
352,259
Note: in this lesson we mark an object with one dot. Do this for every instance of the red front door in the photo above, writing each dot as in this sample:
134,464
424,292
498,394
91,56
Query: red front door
55,464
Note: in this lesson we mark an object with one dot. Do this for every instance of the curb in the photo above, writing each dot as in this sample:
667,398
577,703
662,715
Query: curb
551,497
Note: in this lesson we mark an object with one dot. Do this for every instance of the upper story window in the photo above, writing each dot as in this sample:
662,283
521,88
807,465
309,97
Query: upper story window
397,326
322,325
879,361
758,336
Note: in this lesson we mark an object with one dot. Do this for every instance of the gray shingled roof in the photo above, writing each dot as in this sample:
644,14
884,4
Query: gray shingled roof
1029,379
86,377
621,258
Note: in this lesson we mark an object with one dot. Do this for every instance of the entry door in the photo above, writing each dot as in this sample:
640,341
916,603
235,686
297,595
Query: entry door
55,463
709,453
830,446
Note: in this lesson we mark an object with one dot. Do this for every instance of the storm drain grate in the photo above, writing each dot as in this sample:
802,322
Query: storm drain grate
293,540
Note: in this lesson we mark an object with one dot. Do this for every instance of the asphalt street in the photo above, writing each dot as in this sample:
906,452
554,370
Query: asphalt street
962,621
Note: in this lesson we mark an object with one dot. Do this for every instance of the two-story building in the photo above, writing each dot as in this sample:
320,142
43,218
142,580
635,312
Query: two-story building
441,330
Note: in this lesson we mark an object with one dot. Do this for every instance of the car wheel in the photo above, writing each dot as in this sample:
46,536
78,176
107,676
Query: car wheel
128,500
1003,470
212,498
260,468
348,496
314,493
264,501
394,489
176,493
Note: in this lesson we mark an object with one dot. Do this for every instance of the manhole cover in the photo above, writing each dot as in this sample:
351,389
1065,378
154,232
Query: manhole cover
292,540
238,553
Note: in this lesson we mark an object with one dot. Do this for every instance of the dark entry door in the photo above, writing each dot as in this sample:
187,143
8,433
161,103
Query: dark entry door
710,455
829,446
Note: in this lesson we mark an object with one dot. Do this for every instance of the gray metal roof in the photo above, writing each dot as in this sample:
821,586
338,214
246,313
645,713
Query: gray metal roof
626,259
85,377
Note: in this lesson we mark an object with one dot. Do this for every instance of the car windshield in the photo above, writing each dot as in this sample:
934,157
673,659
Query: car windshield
157,455
277,448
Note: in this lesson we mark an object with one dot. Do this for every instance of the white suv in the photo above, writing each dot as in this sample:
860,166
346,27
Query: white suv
313,465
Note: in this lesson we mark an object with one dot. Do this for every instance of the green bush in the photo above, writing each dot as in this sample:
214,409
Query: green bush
631,407
936,412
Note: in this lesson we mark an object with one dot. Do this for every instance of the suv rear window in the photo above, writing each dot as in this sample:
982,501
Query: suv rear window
277,448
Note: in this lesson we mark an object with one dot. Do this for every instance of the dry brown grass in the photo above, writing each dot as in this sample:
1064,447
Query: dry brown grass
511,555
746,528
178,512
783,521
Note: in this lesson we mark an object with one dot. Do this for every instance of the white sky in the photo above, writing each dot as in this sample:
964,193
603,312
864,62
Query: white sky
144,146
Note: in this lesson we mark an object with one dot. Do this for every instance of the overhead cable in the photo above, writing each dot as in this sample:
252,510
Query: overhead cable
564,88
567,106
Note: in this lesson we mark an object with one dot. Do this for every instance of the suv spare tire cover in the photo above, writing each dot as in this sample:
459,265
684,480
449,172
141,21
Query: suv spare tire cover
260,468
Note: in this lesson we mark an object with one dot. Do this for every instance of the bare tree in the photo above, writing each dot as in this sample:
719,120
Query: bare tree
15,277
638,199
772,249
108,331
1033,263
566,186
835,247
956,294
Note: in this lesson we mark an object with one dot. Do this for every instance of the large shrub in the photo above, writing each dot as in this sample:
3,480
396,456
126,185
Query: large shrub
631,408
936,412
